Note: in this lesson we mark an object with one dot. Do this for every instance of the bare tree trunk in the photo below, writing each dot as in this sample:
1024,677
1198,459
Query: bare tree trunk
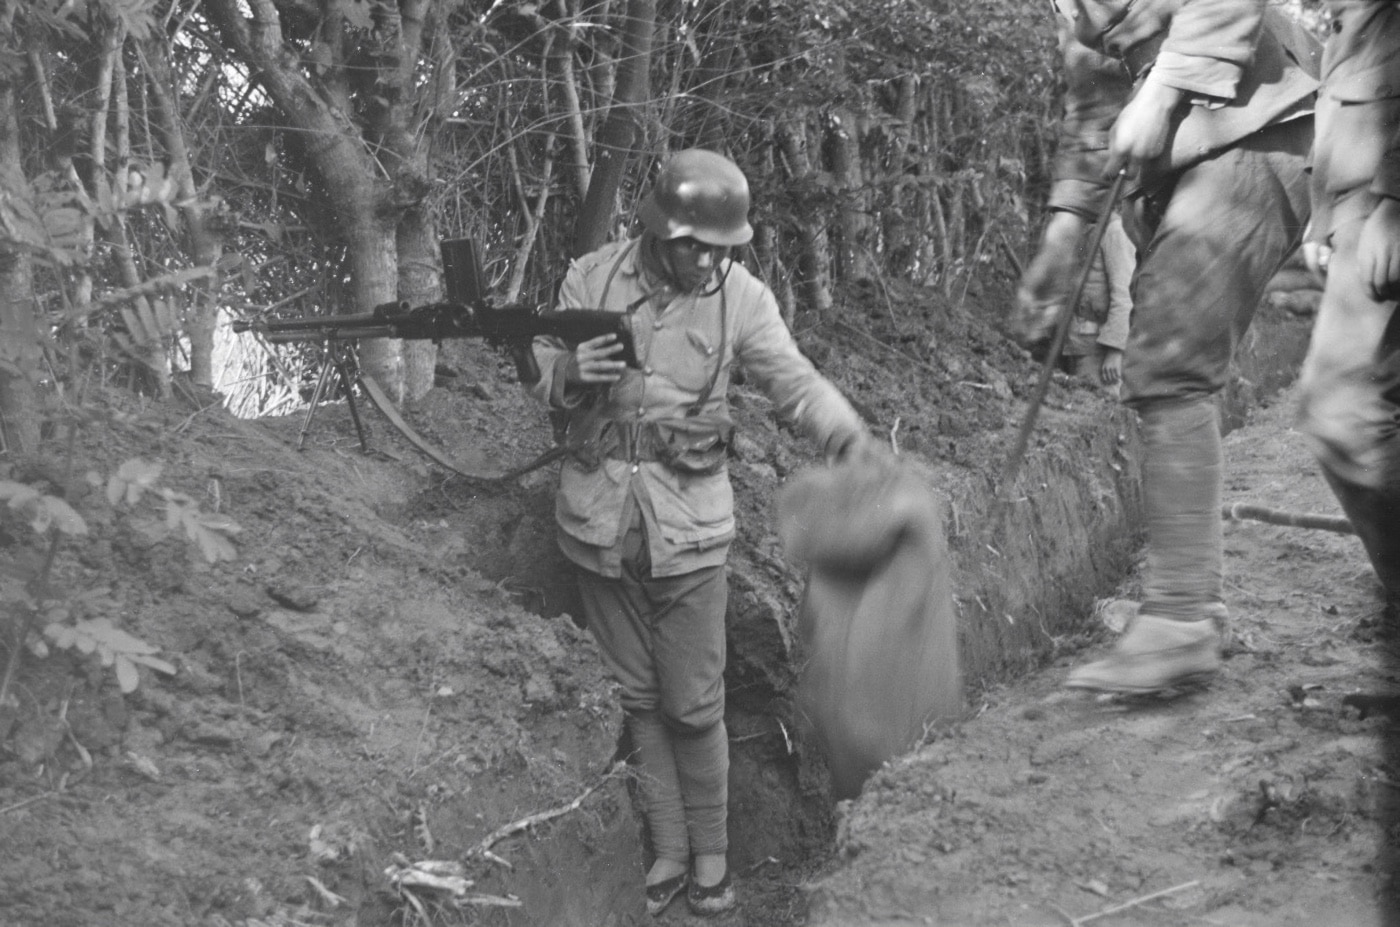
560,54
418,251
19,330
843,146
814,254
355,184
533,222
898,222
704,124
202,245
617,136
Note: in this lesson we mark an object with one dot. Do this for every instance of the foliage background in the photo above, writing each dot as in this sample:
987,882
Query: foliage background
175,165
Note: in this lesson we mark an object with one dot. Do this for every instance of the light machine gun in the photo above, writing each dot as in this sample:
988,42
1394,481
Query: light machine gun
467,313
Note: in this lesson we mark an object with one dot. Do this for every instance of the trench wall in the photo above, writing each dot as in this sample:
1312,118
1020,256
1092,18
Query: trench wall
1023,587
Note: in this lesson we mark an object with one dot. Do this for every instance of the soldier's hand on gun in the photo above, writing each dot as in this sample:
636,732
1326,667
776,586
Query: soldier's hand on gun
1143,128
1045,283
595,361
1378,251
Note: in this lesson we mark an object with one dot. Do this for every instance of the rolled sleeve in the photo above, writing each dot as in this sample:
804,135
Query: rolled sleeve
1208,45
1208,77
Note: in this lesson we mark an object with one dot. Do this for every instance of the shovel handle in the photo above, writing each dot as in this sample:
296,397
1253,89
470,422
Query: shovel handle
1057,344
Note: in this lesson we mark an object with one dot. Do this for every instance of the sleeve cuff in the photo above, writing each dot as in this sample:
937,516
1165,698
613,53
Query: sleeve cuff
1193,74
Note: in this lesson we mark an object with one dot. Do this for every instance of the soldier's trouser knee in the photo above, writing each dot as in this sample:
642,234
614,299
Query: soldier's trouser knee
1349,402
1208,242
663,640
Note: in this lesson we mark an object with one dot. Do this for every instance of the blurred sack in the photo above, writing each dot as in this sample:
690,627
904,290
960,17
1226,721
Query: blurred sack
877,628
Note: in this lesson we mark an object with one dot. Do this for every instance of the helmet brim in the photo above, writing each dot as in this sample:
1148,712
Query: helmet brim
663,227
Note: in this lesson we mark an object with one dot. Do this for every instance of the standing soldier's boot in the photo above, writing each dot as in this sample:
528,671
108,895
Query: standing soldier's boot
1176,636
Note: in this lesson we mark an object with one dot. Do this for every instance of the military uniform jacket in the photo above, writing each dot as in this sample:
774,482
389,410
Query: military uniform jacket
1357,149
687,344
1242,64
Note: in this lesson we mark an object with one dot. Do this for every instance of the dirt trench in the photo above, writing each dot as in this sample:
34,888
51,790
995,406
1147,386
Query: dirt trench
1024,591
390,645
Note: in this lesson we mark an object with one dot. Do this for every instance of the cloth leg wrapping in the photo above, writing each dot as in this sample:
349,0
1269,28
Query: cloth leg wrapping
1182,488
663,640
702,760
659,783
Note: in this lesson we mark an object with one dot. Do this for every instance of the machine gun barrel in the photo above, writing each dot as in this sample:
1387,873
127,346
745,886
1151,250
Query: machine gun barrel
514,326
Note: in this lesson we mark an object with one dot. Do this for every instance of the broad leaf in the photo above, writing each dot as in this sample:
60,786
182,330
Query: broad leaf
18,493
154,663
214,545
61,635
111,636
127,677
64,518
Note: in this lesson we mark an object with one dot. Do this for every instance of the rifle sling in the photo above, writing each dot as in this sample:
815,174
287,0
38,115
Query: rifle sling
381,402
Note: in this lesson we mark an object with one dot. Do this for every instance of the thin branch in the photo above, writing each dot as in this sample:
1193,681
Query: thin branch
525,823
1080,921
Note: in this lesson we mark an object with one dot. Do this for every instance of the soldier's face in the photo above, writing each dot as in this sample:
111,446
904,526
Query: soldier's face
692,262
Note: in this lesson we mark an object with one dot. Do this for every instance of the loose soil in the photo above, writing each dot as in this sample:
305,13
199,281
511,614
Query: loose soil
388,672
1265,800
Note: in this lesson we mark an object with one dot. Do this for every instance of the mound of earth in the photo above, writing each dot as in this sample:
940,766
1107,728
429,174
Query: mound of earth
1268,799
386,672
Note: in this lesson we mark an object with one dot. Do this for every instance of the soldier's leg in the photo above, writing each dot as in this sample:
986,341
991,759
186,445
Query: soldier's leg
690,656
1207,249
619,614
1350,400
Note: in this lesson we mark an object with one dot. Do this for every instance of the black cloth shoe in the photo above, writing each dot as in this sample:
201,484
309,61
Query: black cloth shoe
711,899
660,895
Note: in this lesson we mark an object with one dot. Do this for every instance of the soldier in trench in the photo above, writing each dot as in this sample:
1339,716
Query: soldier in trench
644,506
1212,126
1350,383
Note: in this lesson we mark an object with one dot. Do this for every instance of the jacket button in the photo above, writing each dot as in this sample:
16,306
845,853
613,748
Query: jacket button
636,467
641,413
648,371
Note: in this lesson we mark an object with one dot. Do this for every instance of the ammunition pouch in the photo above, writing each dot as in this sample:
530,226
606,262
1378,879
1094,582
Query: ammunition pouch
693,446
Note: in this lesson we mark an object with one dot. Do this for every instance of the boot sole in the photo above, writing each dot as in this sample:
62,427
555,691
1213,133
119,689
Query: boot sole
1186,681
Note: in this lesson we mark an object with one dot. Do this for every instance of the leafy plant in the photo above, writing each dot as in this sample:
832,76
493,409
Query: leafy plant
113,646
210,532
53,517
41,511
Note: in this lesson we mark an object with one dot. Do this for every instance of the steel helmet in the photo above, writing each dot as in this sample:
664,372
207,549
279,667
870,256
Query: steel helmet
701,195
